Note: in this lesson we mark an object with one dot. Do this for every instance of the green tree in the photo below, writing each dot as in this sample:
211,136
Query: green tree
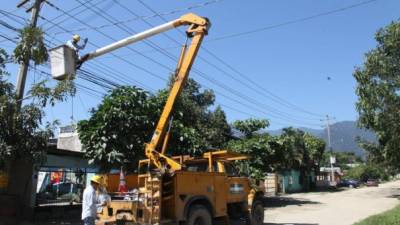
293,148
342,159
23,135
115,133
315,149
250,126
364,172
31,45
117,130
196,127
301,151
257,146
378,91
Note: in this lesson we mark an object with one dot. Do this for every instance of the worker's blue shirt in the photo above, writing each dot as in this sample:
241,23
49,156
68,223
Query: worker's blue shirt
75,46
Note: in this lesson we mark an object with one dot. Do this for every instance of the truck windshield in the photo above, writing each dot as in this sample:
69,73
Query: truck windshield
230,170
200,167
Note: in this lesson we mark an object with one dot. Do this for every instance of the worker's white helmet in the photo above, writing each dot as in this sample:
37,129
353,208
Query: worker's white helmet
76,37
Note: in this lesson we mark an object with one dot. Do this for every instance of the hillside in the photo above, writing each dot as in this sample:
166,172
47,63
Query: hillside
343,136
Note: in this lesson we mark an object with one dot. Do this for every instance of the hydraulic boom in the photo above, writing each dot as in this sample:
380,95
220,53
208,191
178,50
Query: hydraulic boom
63,66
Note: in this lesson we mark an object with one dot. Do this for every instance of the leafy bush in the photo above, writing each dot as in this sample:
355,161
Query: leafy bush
365,172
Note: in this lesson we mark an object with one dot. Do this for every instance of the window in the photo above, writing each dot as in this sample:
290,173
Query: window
197,167
230,170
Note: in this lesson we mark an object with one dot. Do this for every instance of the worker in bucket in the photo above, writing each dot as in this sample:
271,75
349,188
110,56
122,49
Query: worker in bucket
90,200
74,44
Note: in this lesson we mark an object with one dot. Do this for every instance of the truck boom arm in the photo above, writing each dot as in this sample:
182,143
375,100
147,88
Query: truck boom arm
198,28
188,19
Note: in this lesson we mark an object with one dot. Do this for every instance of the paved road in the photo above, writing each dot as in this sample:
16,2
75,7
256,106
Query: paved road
332,208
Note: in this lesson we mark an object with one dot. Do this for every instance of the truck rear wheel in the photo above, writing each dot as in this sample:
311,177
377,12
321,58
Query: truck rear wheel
199,215
257,213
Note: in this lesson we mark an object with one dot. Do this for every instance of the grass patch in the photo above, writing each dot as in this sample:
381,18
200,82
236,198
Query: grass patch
391,217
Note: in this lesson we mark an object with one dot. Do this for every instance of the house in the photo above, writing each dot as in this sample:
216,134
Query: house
325,176
293,180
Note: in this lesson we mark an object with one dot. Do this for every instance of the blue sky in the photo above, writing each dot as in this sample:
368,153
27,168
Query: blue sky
290,61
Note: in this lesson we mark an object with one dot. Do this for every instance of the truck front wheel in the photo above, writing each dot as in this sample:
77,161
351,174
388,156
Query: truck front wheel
199,215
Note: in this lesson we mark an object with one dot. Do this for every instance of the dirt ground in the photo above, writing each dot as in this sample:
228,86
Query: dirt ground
343,207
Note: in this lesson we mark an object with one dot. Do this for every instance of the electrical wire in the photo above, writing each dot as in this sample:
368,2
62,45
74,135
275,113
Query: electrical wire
290,22
109,87
63,14
107,17
213,65
200,5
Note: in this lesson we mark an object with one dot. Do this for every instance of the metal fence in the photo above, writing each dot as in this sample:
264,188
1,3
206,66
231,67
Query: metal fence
61,186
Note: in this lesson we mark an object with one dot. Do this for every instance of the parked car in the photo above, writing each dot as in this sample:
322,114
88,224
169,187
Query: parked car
60,192
349,183
372,183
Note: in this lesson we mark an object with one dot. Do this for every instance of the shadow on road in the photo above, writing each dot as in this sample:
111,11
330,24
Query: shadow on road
394,196
273,202
290,224
331,189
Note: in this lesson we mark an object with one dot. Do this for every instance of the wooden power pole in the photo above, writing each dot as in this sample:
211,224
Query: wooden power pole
23,70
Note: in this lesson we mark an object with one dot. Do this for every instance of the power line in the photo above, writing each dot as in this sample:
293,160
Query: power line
200,5
13,40
106,68
12,14
277,115
84,74
275,98
110,37
62,15
299,20
173,58
90,79
118,57
224,72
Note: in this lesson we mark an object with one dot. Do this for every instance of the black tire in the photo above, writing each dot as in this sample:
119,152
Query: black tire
199,215
257,213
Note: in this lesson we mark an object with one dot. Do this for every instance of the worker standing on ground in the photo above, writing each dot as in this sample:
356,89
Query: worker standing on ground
103,197
74,44
89,201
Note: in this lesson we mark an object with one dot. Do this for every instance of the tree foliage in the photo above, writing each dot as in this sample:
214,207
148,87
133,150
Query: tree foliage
293,149
31,46
363,172
196,127
378,91
250,126
115,133
117,130
342,159
22,133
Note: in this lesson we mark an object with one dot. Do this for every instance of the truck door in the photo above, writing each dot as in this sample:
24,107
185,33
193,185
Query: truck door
237,186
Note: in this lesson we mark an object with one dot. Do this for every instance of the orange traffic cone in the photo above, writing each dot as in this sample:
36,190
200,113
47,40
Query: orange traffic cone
122,183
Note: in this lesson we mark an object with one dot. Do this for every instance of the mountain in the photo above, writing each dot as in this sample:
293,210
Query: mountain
343,136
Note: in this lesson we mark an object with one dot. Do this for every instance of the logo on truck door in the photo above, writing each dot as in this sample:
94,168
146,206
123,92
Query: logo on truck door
236,189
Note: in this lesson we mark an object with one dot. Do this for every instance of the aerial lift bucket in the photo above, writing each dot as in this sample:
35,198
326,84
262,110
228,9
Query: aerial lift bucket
63,62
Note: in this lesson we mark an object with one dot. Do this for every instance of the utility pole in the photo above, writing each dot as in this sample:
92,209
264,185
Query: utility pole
22,172
331,158
23,69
